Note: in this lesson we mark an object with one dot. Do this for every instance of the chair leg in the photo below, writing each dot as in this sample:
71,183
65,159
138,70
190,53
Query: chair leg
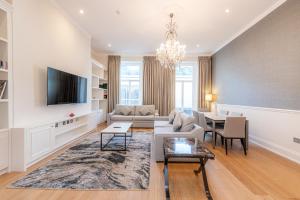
216,135
243,141
222,140
204,136
225,145
231,142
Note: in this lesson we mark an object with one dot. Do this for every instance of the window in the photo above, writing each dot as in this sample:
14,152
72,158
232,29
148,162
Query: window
186,86
130,82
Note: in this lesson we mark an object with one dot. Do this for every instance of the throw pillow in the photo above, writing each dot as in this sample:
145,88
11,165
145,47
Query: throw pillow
145,110
126,110
172,116
123,110
187,123
177,123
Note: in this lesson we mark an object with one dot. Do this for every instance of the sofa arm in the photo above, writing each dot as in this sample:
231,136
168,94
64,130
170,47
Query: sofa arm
109,115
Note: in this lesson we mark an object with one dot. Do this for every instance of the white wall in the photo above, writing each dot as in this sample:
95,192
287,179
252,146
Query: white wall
43,36
100,57
272,128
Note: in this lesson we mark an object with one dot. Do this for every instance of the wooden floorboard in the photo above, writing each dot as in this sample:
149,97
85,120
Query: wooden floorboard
261,175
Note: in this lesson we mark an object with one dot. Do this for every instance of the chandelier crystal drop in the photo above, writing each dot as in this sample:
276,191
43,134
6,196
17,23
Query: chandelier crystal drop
171,53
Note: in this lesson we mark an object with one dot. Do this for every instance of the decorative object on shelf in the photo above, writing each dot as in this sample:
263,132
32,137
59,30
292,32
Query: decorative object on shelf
2,88
71,115
172,52
103,86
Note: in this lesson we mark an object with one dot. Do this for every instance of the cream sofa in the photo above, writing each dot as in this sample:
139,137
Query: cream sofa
165,130
142,116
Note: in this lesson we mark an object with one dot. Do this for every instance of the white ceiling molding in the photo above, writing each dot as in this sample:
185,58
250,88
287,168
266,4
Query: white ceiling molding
252,23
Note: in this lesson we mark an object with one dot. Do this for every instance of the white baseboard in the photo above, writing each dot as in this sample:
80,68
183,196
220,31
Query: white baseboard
284,152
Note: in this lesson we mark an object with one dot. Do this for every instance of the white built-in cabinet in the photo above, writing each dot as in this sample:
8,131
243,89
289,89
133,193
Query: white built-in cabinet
31,144
99,93
5,75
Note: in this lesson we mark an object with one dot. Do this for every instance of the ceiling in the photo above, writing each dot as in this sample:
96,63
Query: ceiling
137,27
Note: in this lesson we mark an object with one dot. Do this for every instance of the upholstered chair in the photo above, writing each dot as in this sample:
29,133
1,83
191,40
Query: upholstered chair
235,128
203,124
196,116
235,114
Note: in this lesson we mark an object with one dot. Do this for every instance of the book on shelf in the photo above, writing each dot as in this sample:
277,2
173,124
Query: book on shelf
2,88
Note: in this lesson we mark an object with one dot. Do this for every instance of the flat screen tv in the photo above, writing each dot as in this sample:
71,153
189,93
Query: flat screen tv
65,88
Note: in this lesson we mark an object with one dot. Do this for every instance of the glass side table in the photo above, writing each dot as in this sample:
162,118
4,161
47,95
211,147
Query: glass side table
186,148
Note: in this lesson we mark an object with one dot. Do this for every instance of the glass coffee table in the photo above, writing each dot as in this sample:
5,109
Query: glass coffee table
186,148
117,130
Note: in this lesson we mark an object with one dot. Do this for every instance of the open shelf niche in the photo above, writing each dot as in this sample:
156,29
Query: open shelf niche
5,84
99,88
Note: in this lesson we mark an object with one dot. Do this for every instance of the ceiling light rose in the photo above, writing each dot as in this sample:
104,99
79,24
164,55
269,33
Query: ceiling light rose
171,52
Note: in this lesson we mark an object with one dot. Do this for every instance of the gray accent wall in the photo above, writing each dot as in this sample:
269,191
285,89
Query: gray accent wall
261,67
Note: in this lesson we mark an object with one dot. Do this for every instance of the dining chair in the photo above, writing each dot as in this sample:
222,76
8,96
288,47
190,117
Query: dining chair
203,124
234,128
196,117
235,114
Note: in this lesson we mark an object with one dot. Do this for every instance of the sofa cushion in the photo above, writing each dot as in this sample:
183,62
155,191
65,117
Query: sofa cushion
172,116
163,130
177,123
124,110
145,110
121,118
187,123
144,118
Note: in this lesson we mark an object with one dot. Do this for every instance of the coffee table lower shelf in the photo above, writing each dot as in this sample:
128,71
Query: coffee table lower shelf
118,129
115,135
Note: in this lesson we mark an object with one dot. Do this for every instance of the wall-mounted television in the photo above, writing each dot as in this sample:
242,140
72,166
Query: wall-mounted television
65,88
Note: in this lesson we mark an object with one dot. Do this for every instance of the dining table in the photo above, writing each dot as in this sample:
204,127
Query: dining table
216,119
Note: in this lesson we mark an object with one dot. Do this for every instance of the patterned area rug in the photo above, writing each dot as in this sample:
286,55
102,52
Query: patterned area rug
84,166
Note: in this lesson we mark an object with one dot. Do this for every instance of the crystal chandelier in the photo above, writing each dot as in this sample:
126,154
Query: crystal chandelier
171,53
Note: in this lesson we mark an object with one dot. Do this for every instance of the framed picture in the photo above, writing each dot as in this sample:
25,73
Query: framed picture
2,88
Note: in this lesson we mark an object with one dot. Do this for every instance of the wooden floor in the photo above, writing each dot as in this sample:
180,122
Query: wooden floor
260,175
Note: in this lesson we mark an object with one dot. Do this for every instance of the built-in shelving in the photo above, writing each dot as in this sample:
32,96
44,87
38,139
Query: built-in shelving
99,92
5,76
2,39
3,100
3,71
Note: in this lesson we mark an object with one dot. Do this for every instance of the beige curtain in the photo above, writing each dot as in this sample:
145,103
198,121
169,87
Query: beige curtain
158,86
113,81
205,80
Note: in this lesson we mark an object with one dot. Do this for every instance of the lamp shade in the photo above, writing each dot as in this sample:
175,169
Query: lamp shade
208,97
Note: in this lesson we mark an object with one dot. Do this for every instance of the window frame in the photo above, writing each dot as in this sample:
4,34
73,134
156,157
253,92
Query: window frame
140,80
194,81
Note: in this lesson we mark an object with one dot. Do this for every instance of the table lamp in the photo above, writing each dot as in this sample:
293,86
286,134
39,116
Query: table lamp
211,98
